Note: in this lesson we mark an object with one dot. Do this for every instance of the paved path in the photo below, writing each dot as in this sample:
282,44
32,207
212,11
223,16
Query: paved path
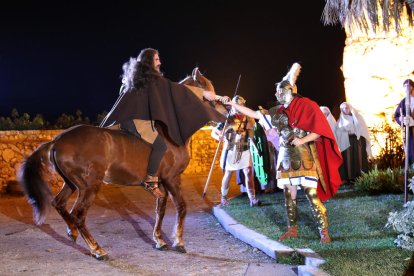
122,220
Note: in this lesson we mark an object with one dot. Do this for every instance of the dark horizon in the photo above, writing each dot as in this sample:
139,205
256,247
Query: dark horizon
59,59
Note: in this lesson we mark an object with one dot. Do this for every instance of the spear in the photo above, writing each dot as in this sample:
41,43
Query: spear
406,148
219,143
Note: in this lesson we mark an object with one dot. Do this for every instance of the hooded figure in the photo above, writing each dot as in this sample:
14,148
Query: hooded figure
331,120
355,144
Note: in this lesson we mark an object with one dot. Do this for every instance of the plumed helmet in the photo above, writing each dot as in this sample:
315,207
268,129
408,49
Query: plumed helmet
287,86
289,81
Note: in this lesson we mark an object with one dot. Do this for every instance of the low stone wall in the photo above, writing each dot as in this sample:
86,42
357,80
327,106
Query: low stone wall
14,145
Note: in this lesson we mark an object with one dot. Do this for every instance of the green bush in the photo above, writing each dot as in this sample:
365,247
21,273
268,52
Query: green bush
378,181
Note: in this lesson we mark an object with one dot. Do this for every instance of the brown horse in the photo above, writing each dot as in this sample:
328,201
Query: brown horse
86,156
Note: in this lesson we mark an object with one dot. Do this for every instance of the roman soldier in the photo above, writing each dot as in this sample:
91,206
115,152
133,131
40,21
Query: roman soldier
308,155
236,154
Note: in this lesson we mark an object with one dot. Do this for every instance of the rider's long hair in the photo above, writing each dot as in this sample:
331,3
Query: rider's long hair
138,72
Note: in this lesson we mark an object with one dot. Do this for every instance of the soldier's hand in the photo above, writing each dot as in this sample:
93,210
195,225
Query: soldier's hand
209,95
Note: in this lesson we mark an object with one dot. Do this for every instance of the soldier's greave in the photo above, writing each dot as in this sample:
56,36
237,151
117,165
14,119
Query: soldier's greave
318,209
291,208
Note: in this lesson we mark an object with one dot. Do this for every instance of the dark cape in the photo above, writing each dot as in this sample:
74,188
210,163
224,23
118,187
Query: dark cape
179,110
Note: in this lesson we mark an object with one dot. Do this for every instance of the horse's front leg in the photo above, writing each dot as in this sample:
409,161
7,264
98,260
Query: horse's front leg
181,210
160,244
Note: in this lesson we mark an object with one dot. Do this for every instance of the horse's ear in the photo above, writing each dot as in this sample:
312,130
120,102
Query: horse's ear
195,73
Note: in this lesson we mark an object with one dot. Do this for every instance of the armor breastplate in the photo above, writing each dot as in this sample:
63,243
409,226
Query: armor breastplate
291,157
236,141
237,137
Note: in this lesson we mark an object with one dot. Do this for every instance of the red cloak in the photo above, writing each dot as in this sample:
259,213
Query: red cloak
305,114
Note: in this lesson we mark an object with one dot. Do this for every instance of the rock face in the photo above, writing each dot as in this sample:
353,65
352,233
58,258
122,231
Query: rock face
374,67
15,145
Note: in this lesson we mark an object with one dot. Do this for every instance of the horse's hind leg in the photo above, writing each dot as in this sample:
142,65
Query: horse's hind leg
160,212
81,207
59,202
180,206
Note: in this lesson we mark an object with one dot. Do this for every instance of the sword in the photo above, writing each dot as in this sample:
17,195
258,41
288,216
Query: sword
219,143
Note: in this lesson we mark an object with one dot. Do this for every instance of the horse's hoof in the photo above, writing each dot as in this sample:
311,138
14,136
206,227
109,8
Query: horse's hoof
72,234
101,257
72,237
163,247
180,249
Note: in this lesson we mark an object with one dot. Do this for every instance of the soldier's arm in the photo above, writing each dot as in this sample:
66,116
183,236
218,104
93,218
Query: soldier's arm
244,109
308,138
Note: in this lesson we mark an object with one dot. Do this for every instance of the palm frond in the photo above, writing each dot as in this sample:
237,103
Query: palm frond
364,14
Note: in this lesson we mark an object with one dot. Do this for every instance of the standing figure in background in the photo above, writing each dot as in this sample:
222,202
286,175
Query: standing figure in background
404,119
356,145
340,136
331,120
236,155
308,156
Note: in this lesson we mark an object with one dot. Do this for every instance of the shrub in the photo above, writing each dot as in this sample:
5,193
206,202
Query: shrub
389,137
403,222
381,181
24,122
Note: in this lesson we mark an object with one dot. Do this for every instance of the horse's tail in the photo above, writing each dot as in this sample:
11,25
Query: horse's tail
31,178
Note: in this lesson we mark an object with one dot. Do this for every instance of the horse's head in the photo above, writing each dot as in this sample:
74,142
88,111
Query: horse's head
198,80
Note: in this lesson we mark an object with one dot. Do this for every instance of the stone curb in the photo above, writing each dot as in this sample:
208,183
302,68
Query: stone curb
270,247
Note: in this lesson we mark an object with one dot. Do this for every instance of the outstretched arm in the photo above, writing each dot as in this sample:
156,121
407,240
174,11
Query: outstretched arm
243,109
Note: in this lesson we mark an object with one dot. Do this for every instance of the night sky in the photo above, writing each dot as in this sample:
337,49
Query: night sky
57,57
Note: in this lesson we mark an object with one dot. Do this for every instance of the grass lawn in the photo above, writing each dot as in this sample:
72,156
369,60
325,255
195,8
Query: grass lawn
361,243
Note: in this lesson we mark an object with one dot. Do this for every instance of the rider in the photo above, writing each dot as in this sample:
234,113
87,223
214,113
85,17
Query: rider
148,102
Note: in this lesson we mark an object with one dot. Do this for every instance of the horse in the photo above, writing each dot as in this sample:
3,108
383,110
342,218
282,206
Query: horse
86,156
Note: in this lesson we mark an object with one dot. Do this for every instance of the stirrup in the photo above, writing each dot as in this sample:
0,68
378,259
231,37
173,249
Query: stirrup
152,187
